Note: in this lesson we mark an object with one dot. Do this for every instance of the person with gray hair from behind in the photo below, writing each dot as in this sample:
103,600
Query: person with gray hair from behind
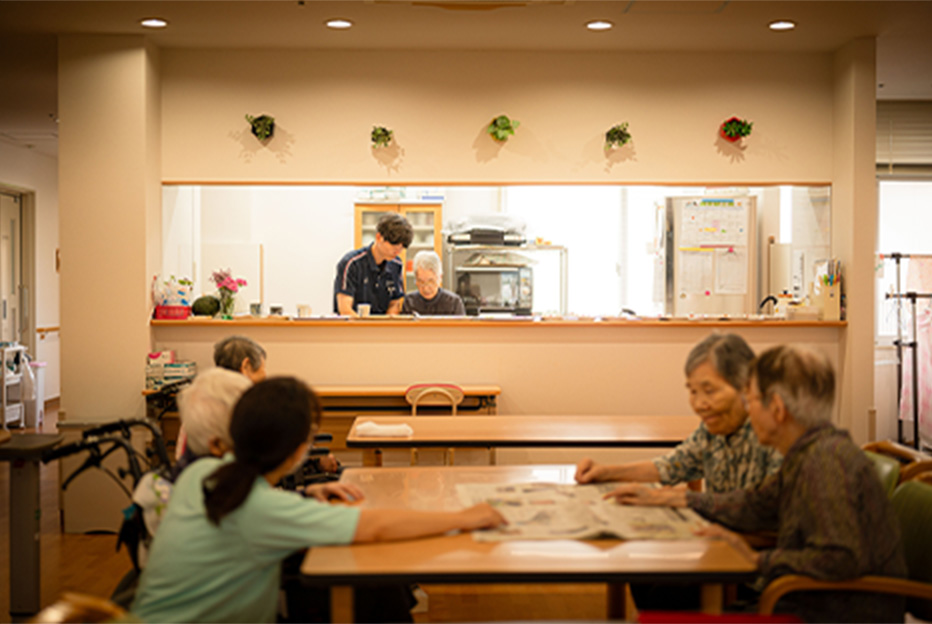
242,355
723,450
430,299
832,516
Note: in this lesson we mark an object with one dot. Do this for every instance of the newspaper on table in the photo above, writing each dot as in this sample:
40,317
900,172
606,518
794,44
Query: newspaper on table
539,511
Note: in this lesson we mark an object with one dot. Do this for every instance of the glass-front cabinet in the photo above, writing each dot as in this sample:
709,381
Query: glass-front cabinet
425,219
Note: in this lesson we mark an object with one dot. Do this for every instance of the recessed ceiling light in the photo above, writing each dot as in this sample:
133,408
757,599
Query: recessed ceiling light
599,25
154,22
339,24
782,25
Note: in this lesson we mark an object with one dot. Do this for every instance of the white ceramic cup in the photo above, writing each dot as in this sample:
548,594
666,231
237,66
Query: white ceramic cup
363,309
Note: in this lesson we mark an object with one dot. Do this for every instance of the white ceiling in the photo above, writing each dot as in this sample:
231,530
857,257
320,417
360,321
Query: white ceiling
28,31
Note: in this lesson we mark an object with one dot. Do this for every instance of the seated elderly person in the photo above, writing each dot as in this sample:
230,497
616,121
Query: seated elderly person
205,408
430,298
724,449
243,355
830,511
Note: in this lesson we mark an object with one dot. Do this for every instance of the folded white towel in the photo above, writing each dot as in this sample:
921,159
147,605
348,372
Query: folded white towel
370,429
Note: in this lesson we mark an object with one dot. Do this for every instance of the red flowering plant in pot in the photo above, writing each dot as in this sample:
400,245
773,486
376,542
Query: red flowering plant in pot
735,129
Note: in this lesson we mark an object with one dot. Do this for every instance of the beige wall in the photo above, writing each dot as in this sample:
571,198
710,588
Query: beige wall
108,180
326,102
854,224
636,370
810,113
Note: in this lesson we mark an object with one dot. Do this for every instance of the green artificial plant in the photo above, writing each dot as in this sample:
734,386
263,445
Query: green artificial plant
263,126
502,127
617,136
381,136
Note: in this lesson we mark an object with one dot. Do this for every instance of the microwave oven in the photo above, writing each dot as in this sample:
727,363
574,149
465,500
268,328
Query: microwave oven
495,289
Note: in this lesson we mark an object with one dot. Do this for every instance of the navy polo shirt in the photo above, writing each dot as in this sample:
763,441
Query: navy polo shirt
367,282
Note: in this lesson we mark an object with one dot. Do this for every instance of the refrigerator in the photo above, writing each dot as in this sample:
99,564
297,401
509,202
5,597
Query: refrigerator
710,256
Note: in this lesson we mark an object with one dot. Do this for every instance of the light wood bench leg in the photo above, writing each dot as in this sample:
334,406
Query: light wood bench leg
712,598
341,604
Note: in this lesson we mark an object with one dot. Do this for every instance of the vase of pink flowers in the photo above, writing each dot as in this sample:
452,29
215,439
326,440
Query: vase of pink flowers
227,287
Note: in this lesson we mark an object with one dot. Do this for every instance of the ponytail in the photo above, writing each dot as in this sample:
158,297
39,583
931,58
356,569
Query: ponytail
270,421
227,488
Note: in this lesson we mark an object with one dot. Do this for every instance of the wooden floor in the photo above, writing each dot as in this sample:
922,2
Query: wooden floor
90,564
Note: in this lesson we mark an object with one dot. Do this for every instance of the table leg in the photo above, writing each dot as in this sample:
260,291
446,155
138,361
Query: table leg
712,598
621,605
372,457
341,604
24,537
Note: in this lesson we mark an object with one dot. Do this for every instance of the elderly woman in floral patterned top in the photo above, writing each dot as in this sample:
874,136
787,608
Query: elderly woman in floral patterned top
723,450
831,513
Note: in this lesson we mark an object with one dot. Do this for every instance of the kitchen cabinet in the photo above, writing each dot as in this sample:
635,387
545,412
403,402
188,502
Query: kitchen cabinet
426,219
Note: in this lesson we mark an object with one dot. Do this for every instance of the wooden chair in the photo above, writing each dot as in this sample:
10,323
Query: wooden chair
75,607
434,395
912,461
912,502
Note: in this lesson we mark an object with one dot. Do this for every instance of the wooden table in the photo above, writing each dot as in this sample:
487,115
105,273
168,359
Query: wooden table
341,404
460,559
24,452
527,431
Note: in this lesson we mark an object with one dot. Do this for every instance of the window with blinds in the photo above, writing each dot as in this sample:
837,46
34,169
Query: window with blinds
904,137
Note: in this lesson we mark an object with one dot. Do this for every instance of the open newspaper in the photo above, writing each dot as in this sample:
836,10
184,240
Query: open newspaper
537,511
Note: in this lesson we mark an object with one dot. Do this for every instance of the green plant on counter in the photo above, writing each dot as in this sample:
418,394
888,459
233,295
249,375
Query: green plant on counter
734,128
263,126
502,127
381,136
617,136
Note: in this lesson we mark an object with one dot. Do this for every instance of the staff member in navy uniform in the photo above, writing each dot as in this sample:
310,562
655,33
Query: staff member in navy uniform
374,274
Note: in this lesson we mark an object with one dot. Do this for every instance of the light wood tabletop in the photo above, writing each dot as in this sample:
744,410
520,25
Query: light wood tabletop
458,558
528,431
396,390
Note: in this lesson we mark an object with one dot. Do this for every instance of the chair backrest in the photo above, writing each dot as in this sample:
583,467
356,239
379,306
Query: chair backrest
888,469
912,502
434,394
75,607
900,452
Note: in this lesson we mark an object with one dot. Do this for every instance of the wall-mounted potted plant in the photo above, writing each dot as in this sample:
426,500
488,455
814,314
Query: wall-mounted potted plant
502,127
617,136
263,126
381,136
735,129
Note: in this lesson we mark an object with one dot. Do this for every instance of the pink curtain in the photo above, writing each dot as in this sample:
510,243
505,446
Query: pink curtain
918,280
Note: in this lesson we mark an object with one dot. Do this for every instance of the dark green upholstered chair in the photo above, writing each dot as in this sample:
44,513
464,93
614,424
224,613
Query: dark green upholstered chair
888,469
912,502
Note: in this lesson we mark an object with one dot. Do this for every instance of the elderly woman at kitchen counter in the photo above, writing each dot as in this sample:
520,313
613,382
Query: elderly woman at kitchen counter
430,298
723,450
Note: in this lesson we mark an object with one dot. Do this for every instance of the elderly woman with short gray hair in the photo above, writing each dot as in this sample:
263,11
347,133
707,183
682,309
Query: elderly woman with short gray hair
723,450
831,514
430,299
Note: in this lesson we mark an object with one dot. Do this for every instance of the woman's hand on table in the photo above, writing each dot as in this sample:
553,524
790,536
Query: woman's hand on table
587,471
345,492
481,516
717,531
640,494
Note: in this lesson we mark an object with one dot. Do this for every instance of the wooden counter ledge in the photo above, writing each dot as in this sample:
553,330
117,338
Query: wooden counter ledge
248,321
